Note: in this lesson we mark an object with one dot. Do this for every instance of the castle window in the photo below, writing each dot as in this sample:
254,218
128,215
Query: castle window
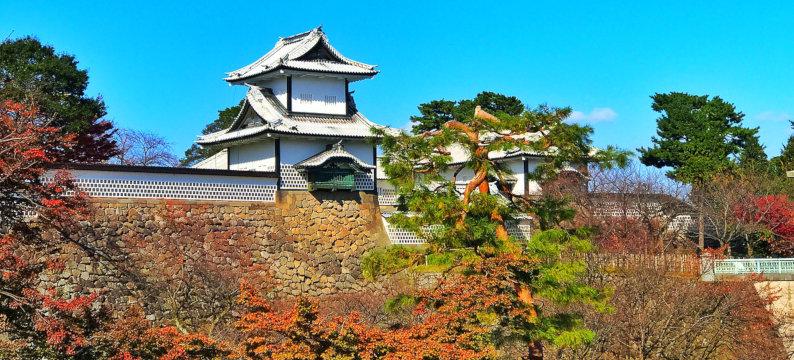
330,99
305,98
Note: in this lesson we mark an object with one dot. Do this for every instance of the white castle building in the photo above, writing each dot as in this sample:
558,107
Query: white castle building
298,130
299,119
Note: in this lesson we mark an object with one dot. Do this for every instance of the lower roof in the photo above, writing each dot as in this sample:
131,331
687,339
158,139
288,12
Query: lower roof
270,117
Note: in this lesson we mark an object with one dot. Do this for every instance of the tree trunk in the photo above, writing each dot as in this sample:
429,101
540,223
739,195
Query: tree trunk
535,351
701,225
480,182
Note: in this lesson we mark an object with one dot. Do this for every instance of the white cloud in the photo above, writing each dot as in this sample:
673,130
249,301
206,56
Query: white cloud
595,115
773,116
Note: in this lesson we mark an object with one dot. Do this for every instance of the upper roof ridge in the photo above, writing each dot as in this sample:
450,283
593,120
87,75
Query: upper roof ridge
288,52
300,36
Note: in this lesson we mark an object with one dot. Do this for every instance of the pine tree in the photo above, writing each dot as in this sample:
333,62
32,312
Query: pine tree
785,161
547,265
437,112
196,153
753,157
697,138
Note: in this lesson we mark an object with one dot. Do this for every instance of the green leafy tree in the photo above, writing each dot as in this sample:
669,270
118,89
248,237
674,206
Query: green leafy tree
419,166
785,161
753,157
34,73
434,114
196,153
697,138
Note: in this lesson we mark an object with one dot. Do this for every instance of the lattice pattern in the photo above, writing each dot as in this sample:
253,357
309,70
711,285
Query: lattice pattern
292,179
401,236
123,188
520,231
404,237
613,209
386,193
365,181
682,222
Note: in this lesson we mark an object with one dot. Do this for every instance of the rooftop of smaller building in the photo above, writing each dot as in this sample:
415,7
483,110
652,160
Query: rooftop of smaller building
337,151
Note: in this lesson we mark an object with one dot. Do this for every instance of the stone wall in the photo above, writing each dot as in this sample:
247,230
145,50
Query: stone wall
304,244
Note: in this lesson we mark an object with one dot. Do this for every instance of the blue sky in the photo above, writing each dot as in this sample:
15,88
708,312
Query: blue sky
159,65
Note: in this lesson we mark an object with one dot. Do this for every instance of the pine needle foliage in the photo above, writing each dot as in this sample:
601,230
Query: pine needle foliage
547,267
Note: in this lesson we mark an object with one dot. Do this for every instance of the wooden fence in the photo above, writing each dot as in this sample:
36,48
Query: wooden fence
686,265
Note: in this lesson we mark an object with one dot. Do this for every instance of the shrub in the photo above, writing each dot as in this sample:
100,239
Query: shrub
389,260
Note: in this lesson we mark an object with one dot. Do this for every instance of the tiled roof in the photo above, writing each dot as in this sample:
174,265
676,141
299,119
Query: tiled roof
336,151
275,119
295,52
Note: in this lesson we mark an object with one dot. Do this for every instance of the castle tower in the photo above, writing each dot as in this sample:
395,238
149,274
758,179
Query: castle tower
299,118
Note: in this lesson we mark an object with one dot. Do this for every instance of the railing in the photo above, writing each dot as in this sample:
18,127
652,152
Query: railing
753,266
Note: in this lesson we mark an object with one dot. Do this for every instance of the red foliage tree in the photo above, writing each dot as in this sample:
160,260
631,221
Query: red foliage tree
776,213
33,212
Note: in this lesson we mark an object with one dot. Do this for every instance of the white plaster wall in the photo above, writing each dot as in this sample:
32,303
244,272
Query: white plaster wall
318,95
294,151
516,166
217,161
534,187
279,87
361,149
258,156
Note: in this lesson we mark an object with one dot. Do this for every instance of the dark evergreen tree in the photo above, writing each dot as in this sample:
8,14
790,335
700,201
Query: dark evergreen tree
196,153
697,138
785,161
34,73
753,157
437,112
